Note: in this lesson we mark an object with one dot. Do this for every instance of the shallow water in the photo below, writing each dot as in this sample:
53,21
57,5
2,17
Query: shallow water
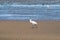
25,12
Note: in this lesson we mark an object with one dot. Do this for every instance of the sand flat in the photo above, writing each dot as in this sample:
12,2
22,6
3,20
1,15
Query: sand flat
22,30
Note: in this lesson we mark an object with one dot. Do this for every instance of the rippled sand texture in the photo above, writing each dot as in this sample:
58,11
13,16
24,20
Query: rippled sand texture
22,30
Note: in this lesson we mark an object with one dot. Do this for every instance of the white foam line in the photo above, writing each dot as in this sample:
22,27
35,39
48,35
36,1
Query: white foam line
35,5
16,5
16,15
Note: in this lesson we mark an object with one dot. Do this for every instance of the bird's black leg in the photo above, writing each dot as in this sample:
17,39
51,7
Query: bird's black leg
33,26
36,26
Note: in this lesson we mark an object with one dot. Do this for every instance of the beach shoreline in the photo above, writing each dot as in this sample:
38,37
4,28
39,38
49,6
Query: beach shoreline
22,30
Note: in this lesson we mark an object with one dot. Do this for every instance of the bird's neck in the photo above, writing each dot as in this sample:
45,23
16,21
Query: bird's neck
30,20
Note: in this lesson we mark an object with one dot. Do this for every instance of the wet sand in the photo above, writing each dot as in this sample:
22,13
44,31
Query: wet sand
22,30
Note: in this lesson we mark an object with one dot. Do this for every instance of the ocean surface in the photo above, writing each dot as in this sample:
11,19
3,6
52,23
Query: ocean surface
26,12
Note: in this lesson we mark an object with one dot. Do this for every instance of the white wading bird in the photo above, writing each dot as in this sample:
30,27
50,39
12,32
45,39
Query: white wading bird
34,24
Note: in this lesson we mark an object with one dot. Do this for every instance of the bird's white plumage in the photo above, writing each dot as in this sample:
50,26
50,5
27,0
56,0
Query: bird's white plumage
33,22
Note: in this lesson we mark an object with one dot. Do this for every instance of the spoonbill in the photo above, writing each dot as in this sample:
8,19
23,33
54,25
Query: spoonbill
34,23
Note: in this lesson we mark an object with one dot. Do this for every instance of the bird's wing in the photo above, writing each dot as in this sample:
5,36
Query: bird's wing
34,22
